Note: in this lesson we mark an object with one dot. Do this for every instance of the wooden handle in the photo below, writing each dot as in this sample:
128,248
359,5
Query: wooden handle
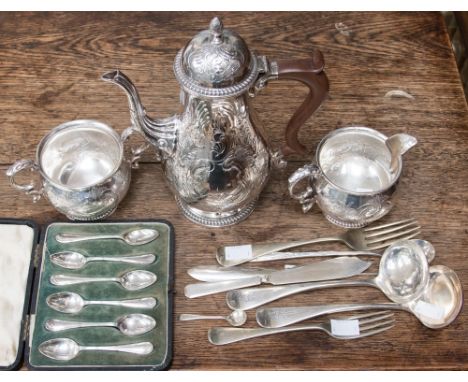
310,72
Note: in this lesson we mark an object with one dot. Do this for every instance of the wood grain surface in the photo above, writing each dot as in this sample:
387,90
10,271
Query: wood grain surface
50,64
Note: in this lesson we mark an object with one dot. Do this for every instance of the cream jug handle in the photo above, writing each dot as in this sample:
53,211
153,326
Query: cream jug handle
308,172
310,72
30,188
136,151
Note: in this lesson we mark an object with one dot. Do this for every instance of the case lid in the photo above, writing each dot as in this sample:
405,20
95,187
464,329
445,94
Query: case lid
18,240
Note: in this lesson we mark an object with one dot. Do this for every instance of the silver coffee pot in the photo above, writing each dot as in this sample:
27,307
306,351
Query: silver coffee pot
215,154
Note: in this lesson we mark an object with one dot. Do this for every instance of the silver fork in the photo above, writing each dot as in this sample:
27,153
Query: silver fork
362,239
367,325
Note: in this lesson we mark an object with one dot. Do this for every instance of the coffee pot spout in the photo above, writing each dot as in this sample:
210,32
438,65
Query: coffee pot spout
399,144
159,132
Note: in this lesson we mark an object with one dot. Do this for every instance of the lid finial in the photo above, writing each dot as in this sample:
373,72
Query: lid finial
216,28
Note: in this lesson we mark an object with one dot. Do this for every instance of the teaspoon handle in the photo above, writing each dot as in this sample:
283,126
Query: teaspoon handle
138,303
140,259
55,325
191,317
250,298
140,348
279,317
66,238
62,280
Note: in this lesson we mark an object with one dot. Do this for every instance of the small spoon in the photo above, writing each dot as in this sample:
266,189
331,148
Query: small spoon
65,349
236,318
437,307
75,260
137,236
133,280
69,302
402,276
130,325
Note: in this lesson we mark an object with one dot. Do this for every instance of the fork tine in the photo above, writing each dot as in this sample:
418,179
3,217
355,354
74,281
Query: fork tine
389,230
364,315
375,331
394,235
373,228
380,318
376,324
387,243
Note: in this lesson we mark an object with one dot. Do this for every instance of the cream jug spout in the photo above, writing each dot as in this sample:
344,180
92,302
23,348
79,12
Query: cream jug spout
160,132
398,145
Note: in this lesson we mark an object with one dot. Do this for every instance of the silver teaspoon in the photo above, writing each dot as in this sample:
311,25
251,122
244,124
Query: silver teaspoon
75,260
138,236
133,280
236,318
130,324
69,302
65,349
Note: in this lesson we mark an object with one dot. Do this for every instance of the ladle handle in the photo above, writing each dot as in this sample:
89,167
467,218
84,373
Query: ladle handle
310,72
30,188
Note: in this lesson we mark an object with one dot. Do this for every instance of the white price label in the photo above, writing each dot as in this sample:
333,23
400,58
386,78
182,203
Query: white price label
345,327
238,252
429,310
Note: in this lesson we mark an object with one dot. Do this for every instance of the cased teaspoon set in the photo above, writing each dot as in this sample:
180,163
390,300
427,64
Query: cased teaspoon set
107,287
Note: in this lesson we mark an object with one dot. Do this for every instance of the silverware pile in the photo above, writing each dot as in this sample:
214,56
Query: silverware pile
432,293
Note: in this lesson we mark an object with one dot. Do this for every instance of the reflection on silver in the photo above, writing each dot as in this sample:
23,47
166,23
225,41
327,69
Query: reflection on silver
84,171
352,180
214,155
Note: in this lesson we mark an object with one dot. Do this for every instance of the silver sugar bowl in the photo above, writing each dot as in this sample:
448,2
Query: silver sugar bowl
354,176
215,155
83,169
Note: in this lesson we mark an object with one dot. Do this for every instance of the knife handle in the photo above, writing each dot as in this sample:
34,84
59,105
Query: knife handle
205,289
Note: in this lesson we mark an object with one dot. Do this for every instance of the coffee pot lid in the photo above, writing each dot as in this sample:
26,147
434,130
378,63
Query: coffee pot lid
216,62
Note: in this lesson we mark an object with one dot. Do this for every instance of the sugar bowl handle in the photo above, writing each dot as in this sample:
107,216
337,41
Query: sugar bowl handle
136,151
308,173
30,188
310,72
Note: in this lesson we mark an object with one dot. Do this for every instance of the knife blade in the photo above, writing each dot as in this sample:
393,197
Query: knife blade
337,268
214,273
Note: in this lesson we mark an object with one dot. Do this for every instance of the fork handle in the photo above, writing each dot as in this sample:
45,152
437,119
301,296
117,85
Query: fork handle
224,336
279,317
256,250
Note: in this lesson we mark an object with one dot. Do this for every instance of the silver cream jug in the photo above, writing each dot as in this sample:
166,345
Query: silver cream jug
215,155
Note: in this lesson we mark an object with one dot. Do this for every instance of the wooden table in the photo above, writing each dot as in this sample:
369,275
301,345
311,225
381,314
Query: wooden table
49,73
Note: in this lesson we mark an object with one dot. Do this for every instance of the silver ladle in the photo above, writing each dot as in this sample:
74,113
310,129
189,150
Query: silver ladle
69,302
137,236
65,349
438,305
403,274
76,260
236,318
130,324
133,280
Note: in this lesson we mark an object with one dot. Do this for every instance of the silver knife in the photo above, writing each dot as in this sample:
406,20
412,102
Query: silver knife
215,273
338,268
